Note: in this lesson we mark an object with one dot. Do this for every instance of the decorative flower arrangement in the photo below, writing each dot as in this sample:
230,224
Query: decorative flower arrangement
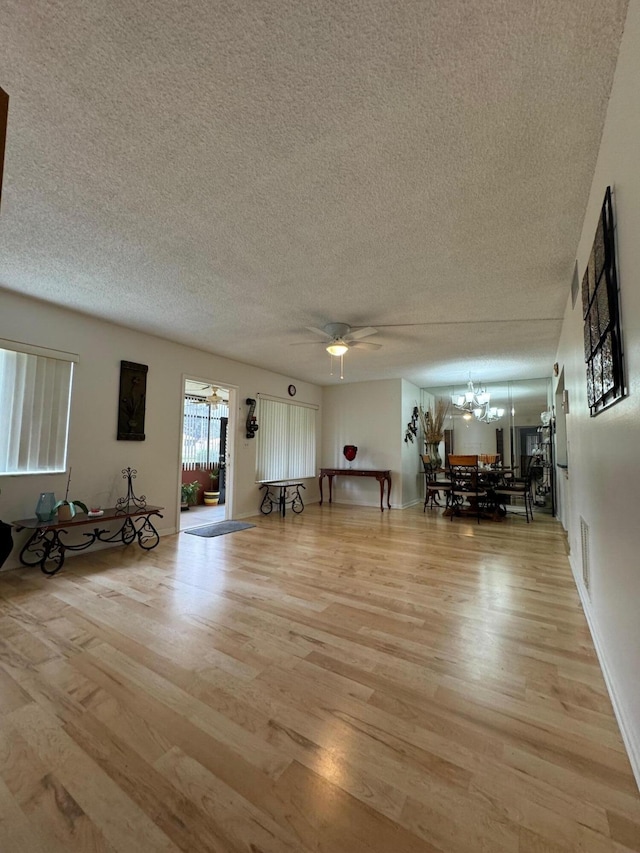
432,421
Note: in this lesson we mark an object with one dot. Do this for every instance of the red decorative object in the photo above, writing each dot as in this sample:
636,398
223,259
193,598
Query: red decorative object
349,451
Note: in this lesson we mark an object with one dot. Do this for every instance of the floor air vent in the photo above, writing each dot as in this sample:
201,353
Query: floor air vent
584,539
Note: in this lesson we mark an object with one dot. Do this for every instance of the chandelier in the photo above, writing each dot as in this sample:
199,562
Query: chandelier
476,402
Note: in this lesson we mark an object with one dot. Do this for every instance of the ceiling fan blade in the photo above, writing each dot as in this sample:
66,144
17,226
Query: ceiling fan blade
362,333
363,345
317,331
309,343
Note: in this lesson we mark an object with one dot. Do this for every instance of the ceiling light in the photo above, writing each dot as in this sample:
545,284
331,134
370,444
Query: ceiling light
476,402
472,398
337,348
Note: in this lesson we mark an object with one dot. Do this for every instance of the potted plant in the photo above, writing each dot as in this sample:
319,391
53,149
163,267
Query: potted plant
66,508
432,423
212,494
189,494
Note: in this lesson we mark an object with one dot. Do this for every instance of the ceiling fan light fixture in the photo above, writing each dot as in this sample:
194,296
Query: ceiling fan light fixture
337,348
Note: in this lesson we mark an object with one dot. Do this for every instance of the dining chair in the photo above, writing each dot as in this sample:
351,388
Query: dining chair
465,485
518,487
490,459
433,486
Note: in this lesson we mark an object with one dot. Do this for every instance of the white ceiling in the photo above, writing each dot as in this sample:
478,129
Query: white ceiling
225,174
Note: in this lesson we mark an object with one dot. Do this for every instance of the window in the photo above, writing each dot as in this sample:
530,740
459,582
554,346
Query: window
201,433
35,397
286,441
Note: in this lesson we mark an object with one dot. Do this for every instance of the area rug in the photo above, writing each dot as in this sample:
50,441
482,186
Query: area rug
218,529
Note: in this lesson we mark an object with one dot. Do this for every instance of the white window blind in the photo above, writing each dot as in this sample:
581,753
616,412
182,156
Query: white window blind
201,433
35,397
286,441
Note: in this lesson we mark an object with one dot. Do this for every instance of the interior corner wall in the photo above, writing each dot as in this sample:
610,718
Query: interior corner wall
411,463
95,455
603,458
366,414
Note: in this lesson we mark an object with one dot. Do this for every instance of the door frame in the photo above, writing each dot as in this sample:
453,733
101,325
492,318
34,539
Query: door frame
231,441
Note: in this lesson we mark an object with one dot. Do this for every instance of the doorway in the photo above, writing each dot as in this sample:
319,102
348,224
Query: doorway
204,468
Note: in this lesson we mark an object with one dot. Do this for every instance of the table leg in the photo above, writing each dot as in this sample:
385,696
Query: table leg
283,501
320,479
389,492
381,482
44,547
330,488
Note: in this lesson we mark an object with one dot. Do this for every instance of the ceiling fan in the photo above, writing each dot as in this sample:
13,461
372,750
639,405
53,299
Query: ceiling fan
339,338
214,398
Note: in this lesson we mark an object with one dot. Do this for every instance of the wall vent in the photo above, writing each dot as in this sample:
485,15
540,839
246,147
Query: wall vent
584,540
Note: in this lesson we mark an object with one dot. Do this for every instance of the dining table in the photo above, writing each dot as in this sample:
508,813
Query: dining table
489,477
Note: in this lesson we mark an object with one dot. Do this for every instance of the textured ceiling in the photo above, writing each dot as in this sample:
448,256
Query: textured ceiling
225,173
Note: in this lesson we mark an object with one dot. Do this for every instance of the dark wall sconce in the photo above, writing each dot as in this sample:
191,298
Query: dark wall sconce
252,424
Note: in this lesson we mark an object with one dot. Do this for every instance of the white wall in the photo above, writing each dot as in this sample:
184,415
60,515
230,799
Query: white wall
371,416
604,455
474,436
94,453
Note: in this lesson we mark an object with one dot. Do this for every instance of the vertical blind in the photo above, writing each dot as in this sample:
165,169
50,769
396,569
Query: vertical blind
201,433
286,441
35,397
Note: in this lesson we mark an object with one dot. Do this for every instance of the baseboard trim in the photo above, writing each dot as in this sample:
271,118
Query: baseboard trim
628,736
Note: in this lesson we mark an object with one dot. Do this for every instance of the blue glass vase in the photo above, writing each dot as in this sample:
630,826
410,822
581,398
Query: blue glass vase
46,506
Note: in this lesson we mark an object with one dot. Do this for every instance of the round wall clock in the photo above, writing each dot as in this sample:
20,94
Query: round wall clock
292,390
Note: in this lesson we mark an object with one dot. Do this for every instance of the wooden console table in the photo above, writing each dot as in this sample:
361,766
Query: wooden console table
46,545
382,476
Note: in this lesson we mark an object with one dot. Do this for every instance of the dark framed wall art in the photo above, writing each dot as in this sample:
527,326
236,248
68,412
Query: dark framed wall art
132,401
601,314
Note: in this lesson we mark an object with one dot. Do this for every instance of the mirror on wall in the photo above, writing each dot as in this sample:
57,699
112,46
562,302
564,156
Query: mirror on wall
514,435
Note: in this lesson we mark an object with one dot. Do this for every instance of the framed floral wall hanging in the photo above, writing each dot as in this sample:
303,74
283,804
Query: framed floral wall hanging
601,314
132,401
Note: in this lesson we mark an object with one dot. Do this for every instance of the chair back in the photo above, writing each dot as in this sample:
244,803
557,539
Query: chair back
491,459
465,483
429,473
463,459
463,471
527,468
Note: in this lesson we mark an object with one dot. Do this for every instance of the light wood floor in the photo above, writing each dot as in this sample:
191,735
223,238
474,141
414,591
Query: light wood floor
343,681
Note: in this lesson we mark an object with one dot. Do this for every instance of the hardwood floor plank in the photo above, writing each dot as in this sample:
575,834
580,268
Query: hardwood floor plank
19,832
101,799
242,825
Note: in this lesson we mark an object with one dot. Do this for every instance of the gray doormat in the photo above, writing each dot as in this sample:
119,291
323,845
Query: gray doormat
218,529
